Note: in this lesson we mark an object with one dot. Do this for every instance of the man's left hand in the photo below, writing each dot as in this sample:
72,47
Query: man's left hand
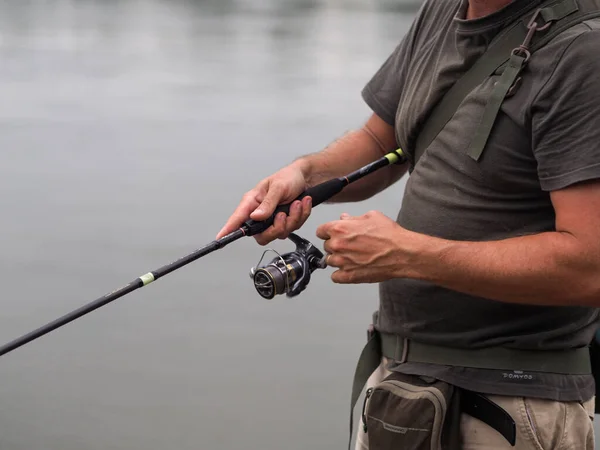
366,249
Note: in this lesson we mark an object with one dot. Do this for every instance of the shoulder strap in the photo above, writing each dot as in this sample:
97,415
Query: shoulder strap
564,12
494,56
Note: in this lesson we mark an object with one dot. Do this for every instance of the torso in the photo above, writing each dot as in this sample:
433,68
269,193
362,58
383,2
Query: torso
504,194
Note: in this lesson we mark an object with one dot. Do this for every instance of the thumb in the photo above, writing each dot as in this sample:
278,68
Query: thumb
269,203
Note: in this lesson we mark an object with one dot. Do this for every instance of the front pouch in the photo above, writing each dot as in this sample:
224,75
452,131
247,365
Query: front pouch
410,412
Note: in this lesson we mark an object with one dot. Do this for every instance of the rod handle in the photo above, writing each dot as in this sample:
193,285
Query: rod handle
319,193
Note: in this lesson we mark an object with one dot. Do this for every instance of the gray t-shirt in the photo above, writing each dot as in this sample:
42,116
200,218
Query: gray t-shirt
546,137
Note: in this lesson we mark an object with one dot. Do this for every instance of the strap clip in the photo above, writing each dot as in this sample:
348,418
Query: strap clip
532,27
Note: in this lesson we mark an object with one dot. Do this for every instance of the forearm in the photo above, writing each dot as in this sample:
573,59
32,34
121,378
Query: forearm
348,153
551,268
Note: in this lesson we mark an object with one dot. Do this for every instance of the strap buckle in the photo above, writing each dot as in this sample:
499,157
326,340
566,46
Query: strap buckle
533,21
524,50
532,27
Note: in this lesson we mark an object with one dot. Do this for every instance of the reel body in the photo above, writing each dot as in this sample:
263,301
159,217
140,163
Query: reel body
288,273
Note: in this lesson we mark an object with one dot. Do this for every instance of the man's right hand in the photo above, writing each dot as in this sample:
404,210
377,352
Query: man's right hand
259,203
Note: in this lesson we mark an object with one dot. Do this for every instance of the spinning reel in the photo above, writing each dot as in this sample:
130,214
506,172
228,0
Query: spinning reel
288,273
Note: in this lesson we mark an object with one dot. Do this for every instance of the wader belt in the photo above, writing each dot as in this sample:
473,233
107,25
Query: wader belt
575,361
508,54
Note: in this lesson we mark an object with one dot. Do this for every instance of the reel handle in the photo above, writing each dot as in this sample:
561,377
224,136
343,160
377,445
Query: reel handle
319,193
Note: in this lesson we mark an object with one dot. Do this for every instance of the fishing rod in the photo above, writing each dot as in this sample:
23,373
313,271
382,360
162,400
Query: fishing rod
288,273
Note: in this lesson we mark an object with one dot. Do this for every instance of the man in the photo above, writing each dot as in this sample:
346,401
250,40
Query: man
494,248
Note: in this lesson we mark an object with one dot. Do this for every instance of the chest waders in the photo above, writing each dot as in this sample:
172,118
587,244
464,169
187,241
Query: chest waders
506,56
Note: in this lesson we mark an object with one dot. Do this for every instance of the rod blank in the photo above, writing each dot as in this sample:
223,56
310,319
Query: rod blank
111,296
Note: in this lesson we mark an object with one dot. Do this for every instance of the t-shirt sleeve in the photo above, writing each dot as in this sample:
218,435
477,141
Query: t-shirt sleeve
566,117
383,90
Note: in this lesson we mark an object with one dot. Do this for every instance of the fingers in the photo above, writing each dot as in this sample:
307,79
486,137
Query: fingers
260,203
299,212
332,245
274,231
333,260
345,277
271,200
329,247
240,215
326,230
306,209
323,231
284,225
346,271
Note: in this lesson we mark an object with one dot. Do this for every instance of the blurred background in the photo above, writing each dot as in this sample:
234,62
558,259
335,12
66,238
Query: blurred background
129,130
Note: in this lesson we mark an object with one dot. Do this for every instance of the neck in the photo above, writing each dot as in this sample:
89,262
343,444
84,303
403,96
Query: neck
481,8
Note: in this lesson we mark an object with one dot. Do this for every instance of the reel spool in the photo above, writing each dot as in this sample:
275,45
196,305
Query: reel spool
288,273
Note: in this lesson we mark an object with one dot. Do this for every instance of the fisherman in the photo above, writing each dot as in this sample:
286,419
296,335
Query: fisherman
491,269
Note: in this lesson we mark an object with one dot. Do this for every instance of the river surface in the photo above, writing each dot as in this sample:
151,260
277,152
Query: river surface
129,131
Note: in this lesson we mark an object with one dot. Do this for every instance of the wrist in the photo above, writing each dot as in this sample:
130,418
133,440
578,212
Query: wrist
305,166
421,256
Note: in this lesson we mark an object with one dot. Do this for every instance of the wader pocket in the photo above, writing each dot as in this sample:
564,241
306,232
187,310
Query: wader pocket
409,412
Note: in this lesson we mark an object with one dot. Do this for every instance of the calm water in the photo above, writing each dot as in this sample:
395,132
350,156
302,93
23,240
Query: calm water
129,131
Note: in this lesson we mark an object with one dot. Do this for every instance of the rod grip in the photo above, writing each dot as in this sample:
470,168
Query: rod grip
319,193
